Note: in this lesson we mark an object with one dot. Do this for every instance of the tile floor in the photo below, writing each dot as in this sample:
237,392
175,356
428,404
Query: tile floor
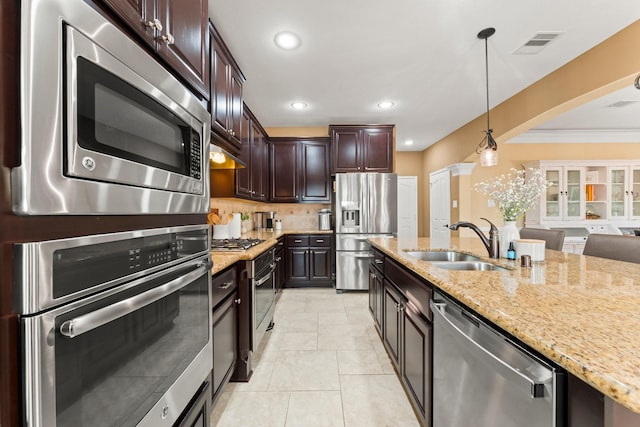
323,364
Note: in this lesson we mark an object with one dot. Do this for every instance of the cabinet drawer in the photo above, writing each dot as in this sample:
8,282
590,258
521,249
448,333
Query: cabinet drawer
415,289
223,284
320,241
297,241
378,260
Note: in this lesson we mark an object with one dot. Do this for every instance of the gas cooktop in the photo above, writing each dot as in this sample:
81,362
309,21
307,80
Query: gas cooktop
233,244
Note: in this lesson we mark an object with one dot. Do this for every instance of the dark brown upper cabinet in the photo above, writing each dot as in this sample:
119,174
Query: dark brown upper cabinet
362,148
300,170
176,30
251,182
225,104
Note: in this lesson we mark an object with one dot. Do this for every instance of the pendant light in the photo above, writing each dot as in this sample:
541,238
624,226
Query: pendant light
488,149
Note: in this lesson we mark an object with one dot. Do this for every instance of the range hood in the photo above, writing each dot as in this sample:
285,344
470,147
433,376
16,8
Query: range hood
222,159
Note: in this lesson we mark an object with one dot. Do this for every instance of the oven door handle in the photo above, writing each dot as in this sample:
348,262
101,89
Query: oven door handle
87,322
267,276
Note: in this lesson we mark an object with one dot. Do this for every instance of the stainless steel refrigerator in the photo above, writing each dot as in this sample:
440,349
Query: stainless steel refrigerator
365,206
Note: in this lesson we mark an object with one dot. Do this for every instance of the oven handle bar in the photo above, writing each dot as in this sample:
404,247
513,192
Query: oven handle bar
87,322
266,277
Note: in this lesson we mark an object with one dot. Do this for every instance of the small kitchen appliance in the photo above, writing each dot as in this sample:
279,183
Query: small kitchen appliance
324,219
268,220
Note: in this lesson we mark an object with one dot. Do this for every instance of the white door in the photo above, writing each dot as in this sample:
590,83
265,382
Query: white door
439,202
408,206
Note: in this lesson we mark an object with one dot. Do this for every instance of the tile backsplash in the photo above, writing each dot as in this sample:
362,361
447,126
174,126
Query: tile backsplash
299,216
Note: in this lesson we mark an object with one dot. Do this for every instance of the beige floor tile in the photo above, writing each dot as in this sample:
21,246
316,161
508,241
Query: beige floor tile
259,380
343,337
375,400
358,362
332,319
248,409
297,370
299,341
315,409
297,322
269,347
359,316
324,305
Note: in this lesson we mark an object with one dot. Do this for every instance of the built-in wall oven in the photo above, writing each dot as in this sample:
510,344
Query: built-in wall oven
115,327
105,128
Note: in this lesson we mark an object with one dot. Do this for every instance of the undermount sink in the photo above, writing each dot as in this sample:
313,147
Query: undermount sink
468,266
448,256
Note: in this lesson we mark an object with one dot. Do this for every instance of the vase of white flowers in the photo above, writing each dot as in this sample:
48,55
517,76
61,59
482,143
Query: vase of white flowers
514,194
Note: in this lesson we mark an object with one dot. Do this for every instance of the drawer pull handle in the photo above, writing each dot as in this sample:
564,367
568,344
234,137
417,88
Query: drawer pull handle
226,285
297,241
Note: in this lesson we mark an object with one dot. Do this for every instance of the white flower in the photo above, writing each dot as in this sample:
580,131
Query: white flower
513,193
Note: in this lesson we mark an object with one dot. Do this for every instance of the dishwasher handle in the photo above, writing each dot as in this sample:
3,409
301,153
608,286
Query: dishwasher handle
537,388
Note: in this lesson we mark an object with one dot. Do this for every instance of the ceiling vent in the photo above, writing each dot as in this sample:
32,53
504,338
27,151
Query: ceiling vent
536,43
621,104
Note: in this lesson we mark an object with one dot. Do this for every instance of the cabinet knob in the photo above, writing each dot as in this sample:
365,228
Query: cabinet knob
237,301
155,24
168,39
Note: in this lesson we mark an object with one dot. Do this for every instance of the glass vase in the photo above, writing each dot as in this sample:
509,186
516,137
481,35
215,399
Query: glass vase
508,233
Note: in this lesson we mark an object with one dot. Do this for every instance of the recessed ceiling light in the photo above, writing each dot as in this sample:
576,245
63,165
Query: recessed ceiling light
408,142
298,105
385,105
287,40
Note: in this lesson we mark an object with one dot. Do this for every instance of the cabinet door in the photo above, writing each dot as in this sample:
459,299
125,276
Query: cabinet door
183,40
220,91
279,273
259,164
375,296
235,109
347,146
392,321
138,14
284,166
416,360
297,264
243,176
550,204
634,192
320,264
574,193
315,171
618,208
225,341
377,148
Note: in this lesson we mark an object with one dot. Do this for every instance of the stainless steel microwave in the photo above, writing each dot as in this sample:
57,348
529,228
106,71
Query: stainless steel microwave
106,129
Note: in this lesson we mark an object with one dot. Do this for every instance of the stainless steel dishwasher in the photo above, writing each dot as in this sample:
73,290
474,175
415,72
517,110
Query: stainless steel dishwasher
483,378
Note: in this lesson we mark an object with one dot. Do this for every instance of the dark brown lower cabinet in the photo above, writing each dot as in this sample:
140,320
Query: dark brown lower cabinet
375,297
308,260
406,329
392,321
279,273
417,335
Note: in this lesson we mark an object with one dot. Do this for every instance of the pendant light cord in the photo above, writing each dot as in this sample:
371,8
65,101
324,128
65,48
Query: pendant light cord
486,63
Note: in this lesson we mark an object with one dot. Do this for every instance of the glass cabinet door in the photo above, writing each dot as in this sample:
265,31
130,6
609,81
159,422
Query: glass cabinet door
634,193
552,196
618,182
574,193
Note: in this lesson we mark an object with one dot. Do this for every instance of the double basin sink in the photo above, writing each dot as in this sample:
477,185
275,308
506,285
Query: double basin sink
452,260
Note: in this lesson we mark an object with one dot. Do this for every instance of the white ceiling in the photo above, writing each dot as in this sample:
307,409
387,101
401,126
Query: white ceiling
424,55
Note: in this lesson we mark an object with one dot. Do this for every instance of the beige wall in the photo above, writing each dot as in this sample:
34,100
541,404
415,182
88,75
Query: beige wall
605,68
317,131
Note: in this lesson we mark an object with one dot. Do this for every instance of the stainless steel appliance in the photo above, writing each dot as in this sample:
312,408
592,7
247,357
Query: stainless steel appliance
324,219
115,328
366,206
480,374
261,277
269,217
106,129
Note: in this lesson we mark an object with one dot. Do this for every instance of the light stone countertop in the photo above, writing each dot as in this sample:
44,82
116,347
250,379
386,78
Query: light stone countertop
222,259
581,312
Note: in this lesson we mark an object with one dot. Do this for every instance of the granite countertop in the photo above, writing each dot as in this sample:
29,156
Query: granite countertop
581,312
222,259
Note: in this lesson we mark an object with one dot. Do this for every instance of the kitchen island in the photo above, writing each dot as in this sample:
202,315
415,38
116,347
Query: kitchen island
581,312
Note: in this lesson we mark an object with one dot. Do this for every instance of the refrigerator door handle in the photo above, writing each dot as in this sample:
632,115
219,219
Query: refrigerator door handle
356,254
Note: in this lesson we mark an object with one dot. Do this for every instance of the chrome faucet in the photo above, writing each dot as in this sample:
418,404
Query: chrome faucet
492,244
